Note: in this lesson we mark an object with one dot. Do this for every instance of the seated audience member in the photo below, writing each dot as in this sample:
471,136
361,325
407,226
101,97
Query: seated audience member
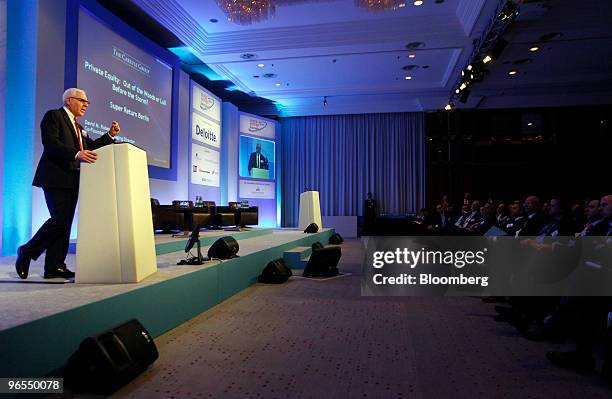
439,220
517,218
474,216
545,208
487,219
465,212
535,220
592,217
559,223
501,215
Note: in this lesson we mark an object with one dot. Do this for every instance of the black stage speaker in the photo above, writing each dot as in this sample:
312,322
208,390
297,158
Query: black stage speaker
323,262
276,272
224,248
109,360
336,239
312,228
317,245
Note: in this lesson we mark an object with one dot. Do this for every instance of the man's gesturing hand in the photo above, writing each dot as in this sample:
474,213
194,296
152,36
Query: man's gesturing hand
87,156
115,129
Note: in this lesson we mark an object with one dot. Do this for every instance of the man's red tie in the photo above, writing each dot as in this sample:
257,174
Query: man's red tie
78,133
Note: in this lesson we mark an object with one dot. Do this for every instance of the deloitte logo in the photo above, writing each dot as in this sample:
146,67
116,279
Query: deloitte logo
206,102
207,134
256,125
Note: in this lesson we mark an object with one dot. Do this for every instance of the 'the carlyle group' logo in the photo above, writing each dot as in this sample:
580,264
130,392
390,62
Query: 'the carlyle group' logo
131,61
206,102
255,125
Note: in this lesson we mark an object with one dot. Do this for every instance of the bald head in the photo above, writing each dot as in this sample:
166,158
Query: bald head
532,204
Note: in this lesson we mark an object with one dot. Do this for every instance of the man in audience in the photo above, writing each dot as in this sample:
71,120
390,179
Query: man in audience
501,215
592,215
517,218
485,222
474,216
535,219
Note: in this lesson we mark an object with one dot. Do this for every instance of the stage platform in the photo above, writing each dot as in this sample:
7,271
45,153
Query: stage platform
42,323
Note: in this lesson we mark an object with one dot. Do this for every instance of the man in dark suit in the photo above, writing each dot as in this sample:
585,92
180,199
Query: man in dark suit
257,159
65,146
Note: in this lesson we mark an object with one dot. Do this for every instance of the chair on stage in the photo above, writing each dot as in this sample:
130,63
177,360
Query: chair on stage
165,218
203,215
224,216
248,215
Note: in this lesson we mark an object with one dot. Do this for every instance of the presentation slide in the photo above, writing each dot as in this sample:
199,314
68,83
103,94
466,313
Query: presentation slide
256,158
126,84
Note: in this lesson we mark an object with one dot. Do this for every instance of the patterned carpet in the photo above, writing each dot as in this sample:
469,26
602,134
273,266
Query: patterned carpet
321,339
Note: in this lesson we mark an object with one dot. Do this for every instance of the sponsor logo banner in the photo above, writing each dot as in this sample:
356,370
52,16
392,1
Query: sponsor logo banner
257,127
206,103
205,166
205,130
256,189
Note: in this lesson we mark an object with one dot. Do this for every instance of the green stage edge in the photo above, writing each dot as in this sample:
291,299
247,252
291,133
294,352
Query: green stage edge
42,347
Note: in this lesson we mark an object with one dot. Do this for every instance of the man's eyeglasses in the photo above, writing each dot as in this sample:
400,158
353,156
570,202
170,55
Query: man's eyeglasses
81,100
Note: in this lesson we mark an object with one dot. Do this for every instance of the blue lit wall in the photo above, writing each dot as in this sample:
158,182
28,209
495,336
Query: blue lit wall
22,29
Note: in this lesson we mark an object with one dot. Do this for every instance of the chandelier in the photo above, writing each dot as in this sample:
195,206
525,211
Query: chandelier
246,12
380,5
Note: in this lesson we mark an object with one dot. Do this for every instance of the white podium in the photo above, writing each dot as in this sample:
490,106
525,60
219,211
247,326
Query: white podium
310,209
115,230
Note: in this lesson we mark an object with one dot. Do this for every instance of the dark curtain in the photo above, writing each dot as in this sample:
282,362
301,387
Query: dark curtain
346,156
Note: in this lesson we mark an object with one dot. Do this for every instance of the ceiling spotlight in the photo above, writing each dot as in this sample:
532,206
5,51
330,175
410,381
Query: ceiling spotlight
277,84
457,91
449,106
512,72
470,67
260,65
487,59
418,2
463,86
462,73
529,123
408,77
534,49
325,101
401,5
411,55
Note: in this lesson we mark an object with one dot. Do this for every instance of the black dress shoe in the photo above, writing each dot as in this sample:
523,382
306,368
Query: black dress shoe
22,264
60,272
572,360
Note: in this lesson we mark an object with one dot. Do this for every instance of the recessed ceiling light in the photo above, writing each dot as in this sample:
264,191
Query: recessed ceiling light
457,91
418,2
534,49
513,72
277,84
411,55
529,123
408,77
260,65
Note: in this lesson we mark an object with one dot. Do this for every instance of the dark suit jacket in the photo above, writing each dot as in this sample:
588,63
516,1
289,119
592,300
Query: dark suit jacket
253,161
58,167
